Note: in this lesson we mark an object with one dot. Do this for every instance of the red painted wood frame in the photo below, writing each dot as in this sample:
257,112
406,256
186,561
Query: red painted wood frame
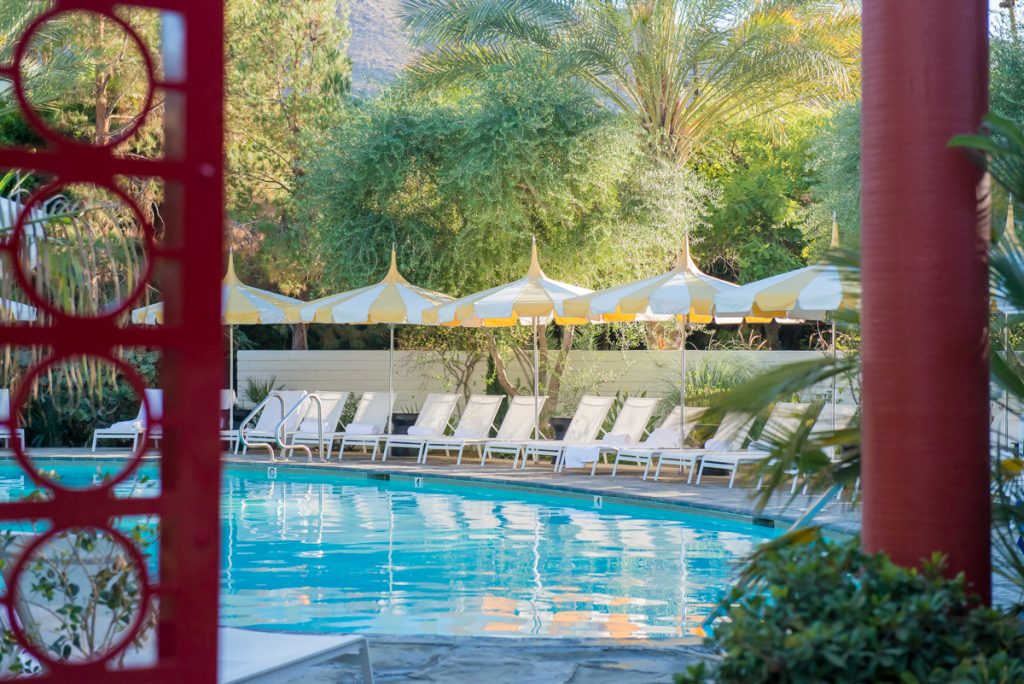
925,228
189,260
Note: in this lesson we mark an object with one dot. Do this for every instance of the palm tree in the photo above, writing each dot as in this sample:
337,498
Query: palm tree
683,68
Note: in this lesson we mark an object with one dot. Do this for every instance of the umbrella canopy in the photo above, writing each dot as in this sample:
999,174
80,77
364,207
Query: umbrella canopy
16,311
240,305
684,293
1009,246
392,300
534,299
809,293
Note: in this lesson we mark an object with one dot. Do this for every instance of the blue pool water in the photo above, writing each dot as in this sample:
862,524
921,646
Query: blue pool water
329,552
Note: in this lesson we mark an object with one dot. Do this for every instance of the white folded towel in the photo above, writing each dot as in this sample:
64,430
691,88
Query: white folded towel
128,426
362,429
663,438
466,433
415,431
579,455
619,438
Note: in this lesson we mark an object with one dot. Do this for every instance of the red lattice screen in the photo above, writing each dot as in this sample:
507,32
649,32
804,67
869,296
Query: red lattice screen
186,82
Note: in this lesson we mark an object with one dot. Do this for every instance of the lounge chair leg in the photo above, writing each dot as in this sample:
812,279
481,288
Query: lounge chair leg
458,459
732,478
615,468
593,468
700,472
94,441
657,470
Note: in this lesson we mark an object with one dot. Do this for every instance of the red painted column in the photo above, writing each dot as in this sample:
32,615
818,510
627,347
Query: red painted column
925,308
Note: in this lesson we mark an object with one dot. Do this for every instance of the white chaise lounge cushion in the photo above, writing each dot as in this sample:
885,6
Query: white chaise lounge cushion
362,429
719,445
416,431
465,433
663,437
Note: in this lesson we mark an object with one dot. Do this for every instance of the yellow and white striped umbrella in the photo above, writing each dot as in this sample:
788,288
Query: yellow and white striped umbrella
533,299
1009,246
240,305
810,293
684,293
392,300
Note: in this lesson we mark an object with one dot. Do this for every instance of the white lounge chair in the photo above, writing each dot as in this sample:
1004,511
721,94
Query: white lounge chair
368,424
250,657
515,428
265,424
671,434
432,421
134,429
5,413
474,427
732,431
629,427
784,420
584,427
823,426
227,406
319,425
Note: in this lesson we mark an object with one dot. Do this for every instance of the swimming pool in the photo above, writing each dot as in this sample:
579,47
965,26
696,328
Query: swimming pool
318,551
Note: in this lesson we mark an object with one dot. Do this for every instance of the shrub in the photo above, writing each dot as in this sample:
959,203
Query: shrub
827,612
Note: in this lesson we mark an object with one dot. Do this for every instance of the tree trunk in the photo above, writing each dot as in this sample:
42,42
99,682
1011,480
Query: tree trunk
555,385
500,371
300,339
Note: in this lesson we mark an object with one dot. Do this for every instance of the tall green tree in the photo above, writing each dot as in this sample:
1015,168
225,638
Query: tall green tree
287,79
684,69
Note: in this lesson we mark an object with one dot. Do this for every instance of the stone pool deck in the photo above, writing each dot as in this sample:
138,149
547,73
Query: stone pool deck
488,660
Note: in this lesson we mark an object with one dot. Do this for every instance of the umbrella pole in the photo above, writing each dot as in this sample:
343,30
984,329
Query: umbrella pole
231,359
1006,394
391,374
682,388
536,384
834,359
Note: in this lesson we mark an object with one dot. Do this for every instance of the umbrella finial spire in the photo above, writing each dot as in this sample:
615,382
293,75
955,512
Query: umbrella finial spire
229,275
393,275
534,262
685,259
835,232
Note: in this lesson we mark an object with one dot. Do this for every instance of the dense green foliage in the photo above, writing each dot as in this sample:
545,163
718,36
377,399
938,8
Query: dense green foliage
756,227
287,81
684,70
827,612
460,181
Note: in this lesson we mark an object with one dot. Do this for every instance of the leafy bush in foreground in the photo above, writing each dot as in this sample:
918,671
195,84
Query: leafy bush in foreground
827,612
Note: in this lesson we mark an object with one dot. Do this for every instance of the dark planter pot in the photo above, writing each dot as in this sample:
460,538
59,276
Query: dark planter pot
559,426
237,416
400,424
